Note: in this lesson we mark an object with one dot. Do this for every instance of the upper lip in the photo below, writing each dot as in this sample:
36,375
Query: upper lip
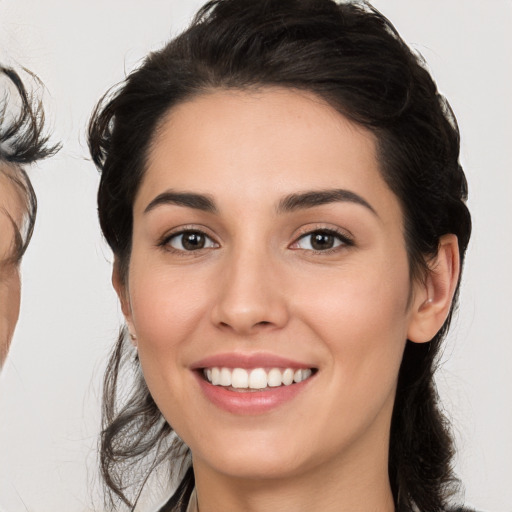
248,361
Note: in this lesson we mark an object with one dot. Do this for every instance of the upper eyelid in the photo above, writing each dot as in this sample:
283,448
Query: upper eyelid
324,230
179,230
308,230
304,231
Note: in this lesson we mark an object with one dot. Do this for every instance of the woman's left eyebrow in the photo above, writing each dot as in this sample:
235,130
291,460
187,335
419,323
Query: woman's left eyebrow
310,199
188,199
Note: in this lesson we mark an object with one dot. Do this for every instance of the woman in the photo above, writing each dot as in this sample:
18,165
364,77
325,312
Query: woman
281,190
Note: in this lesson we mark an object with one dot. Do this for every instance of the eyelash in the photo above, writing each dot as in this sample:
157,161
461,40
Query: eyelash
165,242
343,239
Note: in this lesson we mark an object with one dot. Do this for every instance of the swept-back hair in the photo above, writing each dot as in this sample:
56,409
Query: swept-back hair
22,141
351,56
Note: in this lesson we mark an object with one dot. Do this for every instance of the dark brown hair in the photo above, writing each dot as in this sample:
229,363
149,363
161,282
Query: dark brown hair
352,57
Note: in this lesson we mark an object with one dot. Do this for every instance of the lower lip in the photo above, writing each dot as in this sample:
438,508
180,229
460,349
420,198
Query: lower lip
250,402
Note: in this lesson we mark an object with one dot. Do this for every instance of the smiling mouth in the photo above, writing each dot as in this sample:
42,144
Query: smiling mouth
260,379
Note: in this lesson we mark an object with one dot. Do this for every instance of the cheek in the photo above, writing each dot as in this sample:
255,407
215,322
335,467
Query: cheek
166,307
362,317
362,321
166,311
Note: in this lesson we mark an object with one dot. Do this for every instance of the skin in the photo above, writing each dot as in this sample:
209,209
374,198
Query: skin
12,208
258,287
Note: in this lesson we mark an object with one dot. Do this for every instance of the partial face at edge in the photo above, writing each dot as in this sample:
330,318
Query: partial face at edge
235,257
12,209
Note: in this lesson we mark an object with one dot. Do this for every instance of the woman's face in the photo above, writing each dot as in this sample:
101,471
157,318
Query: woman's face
267,246
11,210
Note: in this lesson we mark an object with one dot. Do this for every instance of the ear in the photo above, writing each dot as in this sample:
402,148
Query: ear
433,297
124,298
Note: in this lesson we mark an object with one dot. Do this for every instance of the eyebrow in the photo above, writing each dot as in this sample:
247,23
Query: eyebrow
290,203
310,199
201,202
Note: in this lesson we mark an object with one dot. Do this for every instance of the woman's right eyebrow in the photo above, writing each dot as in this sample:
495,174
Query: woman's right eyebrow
201,202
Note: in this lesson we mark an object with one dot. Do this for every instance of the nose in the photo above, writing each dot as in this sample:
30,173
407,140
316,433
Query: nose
251,296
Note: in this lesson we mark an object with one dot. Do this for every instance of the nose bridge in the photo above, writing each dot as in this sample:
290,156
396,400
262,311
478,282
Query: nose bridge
250,296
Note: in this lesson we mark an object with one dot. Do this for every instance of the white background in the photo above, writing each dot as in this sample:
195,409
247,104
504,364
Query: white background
49,390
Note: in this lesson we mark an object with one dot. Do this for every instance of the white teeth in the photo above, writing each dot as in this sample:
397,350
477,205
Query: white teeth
258,378
274,378
239,378
225,377
301,375
287,376
215,378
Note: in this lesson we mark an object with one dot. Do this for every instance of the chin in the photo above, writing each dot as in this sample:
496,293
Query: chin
257,464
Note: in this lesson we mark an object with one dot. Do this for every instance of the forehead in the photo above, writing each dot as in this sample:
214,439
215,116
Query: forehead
260,143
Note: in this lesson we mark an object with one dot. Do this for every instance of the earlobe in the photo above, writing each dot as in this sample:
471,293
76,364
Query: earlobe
433,298
122,292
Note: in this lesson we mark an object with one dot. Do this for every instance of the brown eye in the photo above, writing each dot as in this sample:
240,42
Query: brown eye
191,241
321,241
